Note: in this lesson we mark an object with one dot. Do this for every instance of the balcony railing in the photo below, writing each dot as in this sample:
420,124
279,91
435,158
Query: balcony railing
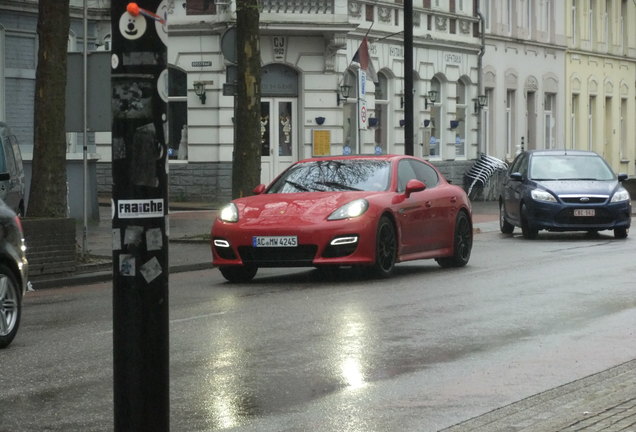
298,6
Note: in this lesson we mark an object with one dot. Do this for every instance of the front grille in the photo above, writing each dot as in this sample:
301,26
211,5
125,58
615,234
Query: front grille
602,217
590,200
300,256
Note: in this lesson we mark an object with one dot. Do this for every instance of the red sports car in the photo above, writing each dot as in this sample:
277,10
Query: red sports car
372,211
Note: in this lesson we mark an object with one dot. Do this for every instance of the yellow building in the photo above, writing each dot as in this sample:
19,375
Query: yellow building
600,70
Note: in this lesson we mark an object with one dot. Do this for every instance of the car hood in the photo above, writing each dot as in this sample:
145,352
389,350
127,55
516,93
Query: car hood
580,187
293,208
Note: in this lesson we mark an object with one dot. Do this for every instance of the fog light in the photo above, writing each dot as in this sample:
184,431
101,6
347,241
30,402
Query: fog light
221,243
344,240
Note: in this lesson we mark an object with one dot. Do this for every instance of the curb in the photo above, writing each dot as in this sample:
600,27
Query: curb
102,276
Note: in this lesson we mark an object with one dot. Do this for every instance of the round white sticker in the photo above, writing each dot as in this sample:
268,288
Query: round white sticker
132,27
114,61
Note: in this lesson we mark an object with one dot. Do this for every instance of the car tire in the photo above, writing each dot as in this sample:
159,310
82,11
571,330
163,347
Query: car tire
10,306
528,230
462,243
620,233
505,226
385,248
239,274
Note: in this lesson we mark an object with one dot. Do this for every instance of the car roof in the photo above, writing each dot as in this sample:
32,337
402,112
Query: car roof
562,152
388,157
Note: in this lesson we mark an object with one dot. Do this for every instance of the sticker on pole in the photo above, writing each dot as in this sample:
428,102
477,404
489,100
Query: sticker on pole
136,209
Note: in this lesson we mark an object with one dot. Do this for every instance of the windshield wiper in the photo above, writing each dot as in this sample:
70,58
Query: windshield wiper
338,185
578,178
297,185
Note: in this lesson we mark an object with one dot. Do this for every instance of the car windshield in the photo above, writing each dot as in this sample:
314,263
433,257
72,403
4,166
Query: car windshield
334,175
569,167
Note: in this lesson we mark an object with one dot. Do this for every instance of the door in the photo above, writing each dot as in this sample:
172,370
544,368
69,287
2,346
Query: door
278,136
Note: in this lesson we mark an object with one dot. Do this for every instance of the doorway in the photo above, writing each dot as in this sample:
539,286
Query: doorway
278,136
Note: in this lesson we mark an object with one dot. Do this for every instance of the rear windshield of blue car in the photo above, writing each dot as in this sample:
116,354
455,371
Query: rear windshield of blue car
569,167
334,176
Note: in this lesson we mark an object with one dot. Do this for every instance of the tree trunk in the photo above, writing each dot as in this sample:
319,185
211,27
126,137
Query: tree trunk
246,163
47,197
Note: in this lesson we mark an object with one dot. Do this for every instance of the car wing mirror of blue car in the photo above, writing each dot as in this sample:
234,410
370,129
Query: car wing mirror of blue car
622,177
516,176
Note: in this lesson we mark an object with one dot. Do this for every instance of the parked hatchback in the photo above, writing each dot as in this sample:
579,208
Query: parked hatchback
563,190
12,183
14,270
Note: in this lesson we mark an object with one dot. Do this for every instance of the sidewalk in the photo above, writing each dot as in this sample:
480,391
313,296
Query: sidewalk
603,401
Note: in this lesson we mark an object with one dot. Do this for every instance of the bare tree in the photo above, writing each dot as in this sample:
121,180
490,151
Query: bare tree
246,163
47,197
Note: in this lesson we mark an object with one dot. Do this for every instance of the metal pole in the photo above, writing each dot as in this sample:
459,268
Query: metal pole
140,200
408,78
482,50
85,130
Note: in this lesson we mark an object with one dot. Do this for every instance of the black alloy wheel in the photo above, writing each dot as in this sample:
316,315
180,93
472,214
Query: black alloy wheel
528,230
505,226
386,248
10,306
462,243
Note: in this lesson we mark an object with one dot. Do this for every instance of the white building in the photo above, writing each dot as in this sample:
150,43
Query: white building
523,75
307,49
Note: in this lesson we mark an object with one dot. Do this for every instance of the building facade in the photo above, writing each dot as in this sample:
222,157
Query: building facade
523,76
554,74
600,68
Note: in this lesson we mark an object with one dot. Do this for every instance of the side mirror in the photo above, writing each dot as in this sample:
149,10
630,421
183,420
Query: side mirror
622,177
259,189
414,185
5,176
516,176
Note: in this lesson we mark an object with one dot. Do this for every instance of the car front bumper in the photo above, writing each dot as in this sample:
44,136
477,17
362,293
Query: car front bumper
562,217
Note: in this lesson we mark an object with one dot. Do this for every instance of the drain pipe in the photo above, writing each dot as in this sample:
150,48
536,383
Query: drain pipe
482,50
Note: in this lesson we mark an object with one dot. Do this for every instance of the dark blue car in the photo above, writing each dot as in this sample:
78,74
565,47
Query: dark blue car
563,190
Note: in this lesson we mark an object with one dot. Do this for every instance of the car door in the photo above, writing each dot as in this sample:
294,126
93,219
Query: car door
512,190
411,213
10,187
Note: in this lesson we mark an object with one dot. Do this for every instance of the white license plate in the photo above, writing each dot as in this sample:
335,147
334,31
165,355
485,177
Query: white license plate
274,241
584,212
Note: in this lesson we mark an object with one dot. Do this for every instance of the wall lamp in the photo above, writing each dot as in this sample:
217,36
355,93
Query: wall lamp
199,90
343,93
431,98
480,102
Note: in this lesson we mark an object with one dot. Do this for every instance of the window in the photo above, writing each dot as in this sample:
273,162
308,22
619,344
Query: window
484,8
590,21
549,120
460,116
591,112
177,114
623,120
424,173
488,121
607,19
528,17
510,104
434,146
624,26
509,4
573,121
574,23
381,114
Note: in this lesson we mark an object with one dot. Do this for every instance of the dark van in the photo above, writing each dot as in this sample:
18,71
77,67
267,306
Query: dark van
12,184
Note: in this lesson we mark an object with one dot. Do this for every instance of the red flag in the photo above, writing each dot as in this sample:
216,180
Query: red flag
362,56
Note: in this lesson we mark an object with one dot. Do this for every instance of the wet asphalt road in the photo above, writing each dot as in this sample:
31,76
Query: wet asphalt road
288,352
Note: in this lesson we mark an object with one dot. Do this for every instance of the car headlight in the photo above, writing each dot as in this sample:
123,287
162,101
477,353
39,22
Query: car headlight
541,195
621,195
229,213
350,210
